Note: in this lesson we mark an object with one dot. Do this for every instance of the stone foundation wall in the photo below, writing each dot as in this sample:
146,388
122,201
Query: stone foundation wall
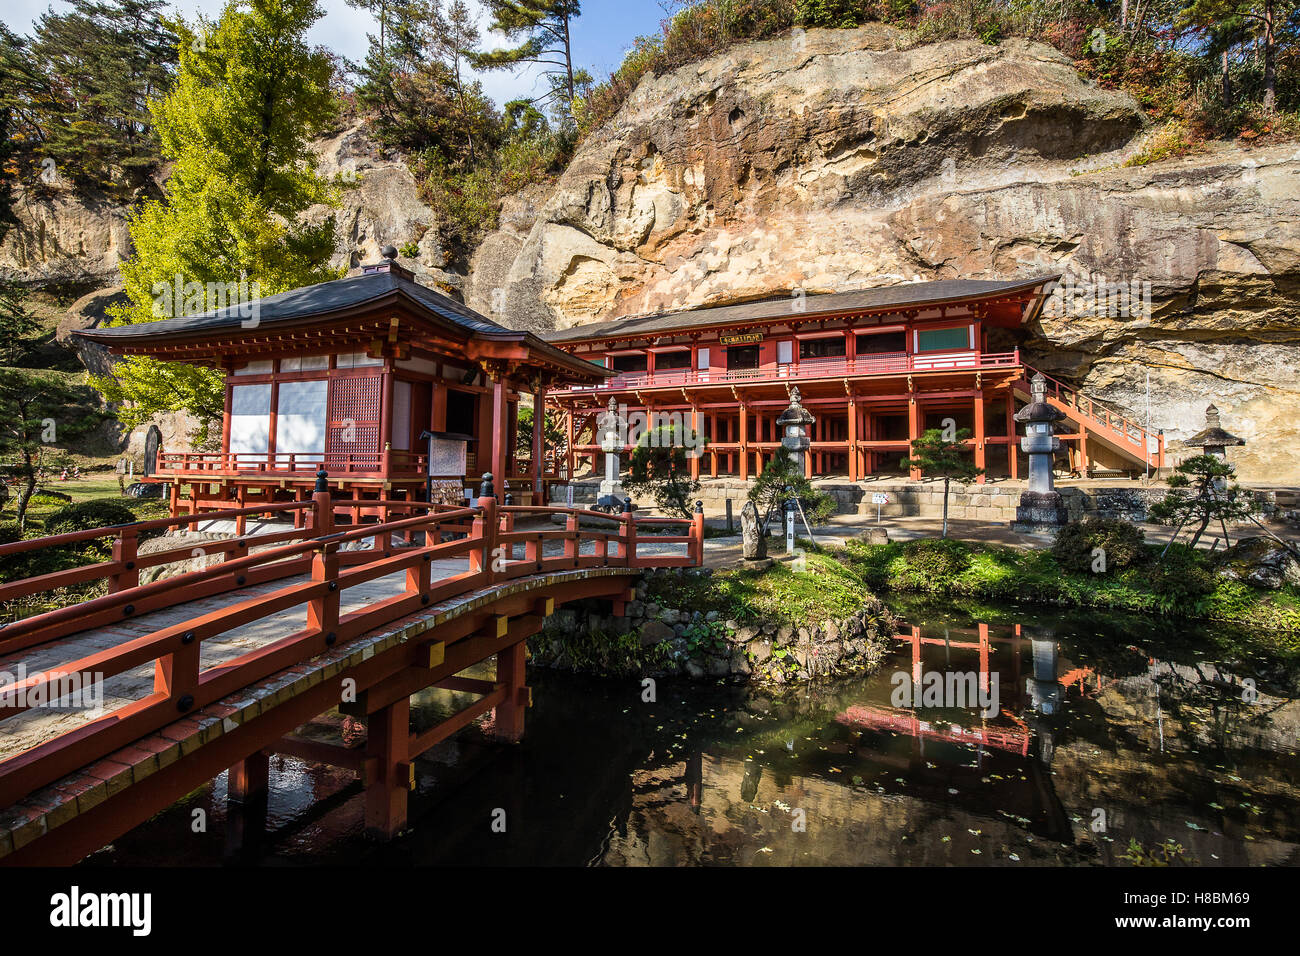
990,502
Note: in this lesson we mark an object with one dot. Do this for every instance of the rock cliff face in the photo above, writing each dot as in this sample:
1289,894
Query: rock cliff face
835,160
849,159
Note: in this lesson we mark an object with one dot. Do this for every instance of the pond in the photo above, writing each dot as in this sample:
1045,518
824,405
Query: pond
1045,738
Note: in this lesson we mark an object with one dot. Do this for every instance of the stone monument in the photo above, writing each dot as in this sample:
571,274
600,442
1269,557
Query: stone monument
753,536
1041,507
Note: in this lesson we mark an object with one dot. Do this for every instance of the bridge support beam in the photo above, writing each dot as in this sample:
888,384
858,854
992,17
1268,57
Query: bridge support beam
248,780
387,742
508,718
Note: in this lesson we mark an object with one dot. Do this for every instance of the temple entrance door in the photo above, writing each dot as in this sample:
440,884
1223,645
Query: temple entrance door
742,357
462,418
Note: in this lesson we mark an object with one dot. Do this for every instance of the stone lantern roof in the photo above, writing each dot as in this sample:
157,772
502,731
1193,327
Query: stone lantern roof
1213,435
795,414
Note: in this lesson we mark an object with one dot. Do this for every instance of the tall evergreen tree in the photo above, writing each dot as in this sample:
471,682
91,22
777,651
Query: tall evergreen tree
1270,26
248,99
418,84
542,29
79,89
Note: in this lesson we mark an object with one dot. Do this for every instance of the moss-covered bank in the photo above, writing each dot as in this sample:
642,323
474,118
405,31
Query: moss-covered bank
773,623
1184,584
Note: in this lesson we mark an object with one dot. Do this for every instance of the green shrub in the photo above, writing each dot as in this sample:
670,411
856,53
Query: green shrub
1180,577
769,495
87,515
1076,544
937,558
10,532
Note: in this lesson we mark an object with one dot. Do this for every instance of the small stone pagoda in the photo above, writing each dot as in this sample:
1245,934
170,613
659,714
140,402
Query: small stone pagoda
1212,439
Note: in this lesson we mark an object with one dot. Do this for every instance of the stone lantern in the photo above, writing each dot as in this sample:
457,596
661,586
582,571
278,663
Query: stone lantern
1041,507
794,423
610,495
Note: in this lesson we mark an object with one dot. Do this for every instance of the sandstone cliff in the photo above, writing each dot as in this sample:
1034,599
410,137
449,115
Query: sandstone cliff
834,160
848,159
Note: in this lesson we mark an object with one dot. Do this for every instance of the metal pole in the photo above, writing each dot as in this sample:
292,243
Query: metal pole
1146,434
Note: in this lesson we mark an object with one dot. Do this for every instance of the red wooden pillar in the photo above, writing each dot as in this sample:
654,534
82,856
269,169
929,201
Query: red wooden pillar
508,718
979,433
249,779
853,437
497,460
698,437
913,432
272,425
388,768
1013,461
225,420
539,443
743,440
569,459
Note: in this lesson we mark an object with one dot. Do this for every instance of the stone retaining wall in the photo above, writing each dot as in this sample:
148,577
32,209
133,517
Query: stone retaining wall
666,641
994,503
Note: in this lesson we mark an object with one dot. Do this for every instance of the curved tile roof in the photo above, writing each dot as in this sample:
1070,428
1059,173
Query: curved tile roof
902,295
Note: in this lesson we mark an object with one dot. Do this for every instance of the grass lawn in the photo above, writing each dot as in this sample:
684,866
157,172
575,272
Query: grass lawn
91,486
820,589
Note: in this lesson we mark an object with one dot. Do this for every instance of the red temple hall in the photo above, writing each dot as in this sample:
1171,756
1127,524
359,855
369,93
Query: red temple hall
876,368
355,375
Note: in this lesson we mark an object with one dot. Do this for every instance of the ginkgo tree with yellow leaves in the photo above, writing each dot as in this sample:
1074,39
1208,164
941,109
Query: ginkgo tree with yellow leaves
249,96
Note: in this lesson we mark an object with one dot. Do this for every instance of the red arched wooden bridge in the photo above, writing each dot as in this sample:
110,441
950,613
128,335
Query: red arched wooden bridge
212,669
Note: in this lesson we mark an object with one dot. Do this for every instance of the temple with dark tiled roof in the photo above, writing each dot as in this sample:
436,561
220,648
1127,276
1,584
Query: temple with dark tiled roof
354,376
876,368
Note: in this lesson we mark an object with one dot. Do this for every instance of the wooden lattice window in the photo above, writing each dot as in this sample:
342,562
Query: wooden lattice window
352,433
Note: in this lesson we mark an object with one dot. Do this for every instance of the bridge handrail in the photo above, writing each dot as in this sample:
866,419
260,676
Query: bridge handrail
1108,417
182,684
153,524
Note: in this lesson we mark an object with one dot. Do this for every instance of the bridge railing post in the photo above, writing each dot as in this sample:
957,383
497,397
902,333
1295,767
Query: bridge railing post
629,533
125,548
177,674
697,534
322,507
571,548
323,611
485,528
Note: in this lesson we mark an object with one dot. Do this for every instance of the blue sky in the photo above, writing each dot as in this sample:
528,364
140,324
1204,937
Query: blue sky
602,34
